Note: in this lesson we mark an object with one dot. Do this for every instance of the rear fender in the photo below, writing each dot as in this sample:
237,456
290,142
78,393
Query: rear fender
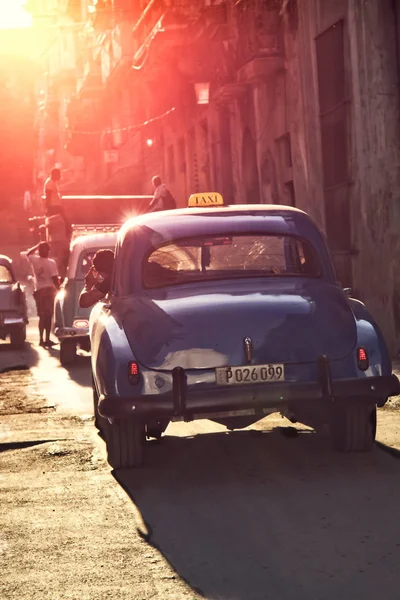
111,355
61,307
58,321
370,337
70,302
20,298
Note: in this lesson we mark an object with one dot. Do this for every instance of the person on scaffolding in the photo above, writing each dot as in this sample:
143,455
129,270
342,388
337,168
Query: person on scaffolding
56,224
162,199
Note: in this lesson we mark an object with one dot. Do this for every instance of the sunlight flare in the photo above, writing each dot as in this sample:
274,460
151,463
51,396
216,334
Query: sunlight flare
13,15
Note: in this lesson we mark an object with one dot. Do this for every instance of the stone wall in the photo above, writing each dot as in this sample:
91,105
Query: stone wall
374,142
376,152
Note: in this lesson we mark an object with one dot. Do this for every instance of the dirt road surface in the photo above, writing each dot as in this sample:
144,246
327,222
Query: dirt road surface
263,513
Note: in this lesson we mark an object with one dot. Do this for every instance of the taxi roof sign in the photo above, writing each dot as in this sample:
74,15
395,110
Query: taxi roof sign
206,199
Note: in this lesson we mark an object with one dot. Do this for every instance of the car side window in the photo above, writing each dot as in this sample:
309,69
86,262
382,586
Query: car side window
85,262
5,275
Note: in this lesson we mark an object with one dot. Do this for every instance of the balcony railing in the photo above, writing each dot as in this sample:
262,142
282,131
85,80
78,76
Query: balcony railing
141,30
258,33
128,42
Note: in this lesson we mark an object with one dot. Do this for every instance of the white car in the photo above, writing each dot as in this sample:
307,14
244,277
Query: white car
71,322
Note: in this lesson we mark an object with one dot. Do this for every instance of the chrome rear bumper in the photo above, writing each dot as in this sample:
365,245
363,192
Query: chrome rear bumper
188,403
71,332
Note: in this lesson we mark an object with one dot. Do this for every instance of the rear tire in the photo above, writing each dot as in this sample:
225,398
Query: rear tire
84,344
353,426
125,444
67,352
18,336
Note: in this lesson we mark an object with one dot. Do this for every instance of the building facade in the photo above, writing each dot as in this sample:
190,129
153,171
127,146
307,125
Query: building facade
345,133
60,43
268,101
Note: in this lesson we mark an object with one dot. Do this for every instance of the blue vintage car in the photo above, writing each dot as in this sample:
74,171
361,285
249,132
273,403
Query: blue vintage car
231,313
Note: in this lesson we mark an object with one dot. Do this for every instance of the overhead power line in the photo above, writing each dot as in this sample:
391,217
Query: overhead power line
127,128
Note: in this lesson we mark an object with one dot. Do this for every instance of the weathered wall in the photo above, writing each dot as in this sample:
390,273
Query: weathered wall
376,153
302,112
236,146
374,141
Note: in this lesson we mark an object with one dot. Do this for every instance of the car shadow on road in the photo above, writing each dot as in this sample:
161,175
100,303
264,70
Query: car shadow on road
250,514
12,358
80,370
4,447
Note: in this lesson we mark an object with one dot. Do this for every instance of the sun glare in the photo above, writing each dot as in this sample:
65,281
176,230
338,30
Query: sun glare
13,15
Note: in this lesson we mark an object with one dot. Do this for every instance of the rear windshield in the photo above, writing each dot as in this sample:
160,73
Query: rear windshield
5,275
229,257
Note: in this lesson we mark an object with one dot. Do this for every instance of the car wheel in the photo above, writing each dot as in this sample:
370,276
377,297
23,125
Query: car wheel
18,336
125,443
67,352
353,426
84,344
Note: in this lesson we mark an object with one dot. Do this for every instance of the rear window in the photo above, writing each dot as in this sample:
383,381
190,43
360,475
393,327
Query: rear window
85,261
229,257
5,275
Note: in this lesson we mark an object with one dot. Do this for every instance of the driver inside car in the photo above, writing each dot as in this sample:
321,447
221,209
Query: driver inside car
97,279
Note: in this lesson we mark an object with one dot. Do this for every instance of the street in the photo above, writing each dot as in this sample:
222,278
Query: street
210,191
265,512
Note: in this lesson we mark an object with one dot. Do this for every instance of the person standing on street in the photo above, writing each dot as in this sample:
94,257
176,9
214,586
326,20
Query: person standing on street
162,199
46,284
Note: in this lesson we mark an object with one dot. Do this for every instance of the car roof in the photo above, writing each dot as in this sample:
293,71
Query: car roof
95,240
174,223
86,242
146,232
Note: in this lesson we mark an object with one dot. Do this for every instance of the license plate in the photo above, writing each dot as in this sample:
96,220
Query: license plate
249,374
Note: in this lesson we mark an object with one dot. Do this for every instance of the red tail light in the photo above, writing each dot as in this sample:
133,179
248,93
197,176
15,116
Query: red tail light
81,323
362,359
133,372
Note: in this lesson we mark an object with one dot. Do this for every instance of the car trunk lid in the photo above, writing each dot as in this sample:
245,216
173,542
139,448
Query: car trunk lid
286,322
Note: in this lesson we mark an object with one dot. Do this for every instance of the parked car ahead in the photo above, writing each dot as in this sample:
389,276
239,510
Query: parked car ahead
13,308
231,313
71,322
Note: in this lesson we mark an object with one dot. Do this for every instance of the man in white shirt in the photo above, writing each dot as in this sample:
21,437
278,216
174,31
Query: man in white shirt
162,199
46,283
51,192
